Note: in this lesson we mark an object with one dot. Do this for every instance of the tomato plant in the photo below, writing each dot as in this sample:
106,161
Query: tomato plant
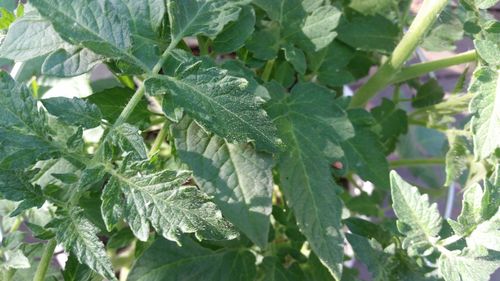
220,140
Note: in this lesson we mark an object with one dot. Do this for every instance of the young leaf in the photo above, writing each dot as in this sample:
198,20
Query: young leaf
74,111
201,17
419,221
63,63
238,177
160,199
29,37
485,106
428,94
167,261
220,102
129,139
312,124
456,158
472,264
79,236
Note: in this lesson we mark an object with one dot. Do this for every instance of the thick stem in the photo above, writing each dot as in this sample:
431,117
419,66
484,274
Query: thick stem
427,15
416,162
159,139
44,264
420,69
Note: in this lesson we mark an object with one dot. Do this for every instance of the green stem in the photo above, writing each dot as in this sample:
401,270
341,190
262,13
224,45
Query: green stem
43,266
268,69
416,162
16,225
420,69
423,21
159,139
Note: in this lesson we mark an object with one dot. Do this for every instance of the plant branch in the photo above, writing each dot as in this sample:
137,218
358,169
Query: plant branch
423,21
43,266
420,69
159,139
416,162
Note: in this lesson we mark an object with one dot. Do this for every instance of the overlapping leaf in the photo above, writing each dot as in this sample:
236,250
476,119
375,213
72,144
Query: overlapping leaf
220,102
238,177
312,125
161,199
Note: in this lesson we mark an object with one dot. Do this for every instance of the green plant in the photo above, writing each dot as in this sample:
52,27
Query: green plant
245,161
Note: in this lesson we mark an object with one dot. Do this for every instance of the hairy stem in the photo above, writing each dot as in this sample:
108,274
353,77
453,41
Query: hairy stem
423,21
420,69
44,264
416,162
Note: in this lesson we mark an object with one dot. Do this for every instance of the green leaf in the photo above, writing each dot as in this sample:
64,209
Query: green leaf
79,236
273,270
485,4
475,265
485,105
331,64
370,253
370,7
364,154
486,234
161,199
28,37
428,94
447,30
456,158
93,24
418,220
312,124
112,101
6,19
16,186
63,63
234,35
201,17
74,271
220,102
74,111
24,130
369,33
165,261
130,140
296,57
238,177
15,259
391,123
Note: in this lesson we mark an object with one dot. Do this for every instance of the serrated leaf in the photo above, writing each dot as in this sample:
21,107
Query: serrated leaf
364,154
234,35
165,261
29,37
312,124
485,4
418,220
220,102
456,158
445,33
15,259
392,122
16,186
63,63
475,265
75,111
161,199
74,271
369,33
331,64
201,17
485,108
296,57
428,94
130,140
370,253
96,25
238,177
79,236
486,234
24,131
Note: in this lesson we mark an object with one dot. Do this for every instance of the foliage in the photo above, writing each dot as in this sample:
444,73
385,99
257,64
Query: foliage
224,144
